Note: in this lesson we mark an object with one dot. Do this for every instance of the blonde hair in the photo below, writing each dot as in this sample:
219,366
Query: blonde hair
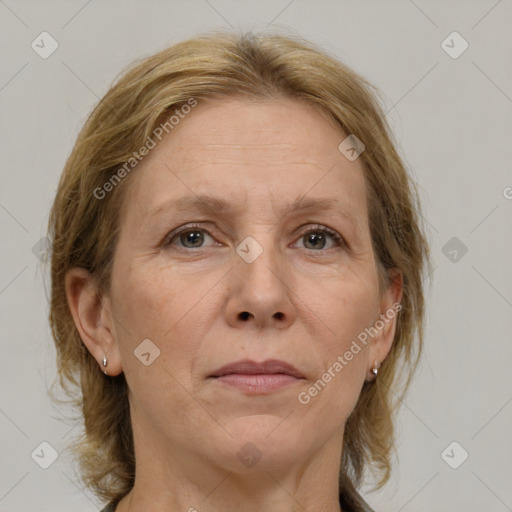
83,228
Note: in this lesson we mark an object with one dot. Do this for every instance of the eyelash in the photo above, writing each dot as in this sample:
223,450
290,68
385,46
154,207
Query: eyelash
338,239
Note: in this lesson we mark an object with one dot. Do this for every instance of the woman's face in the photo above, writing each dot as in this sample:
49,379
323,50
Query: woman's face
229,252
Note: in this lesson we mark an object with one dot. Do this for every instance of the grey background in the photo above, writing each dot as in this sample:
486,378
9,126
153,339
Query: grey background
452,120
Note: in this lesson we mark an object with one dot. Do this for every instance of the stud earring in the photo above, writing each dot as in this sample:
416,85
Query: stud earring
105,364
375,369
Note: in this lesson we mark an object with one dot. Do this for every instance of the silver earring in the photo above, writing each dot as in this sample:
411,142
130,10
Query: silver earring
105,364
375,369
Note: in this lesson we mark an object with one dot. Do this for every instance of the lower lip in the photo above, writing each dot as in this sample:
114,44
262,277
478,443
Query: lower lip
261,383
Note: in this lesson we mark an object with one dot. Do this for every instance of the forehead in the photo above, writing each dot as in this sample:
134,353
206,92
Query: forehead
266,129
261,152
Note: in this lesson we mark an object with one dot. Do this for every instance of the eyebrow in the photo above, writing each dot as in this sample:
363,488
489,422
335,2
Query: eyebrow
210,204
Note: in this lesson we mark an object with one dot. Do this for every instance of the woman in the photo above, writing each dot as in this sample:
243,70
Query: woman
236,281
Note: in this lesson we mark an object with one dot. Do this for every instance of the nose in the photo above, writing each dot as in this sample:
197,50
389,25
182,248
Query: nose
260,292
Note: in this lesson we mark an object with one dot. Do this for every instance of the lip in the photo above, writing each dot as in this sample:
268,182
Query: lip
248,367
258,378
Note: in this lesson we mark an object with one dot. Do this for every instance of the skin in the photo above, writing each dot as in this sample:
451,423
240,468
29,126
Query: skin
306,303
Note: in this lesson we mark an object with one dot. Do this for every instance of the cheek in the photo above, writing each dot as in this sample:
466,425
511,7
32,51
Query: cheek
340,309
154,304
343,308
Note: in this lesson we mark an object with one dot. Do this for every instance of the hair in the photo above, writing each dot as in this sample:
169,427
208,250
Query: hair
84,225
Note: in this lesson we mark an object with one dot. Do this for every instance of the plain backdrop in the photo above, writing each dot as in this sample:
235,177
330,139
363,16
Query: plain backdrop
450,108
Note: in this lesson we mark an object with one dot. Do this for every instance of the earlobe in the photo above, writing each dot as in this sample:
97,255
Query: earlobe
92,320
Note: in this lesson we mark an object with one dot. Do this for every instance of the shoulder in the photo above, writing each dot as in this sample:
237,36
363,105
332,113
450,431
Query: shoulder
353,502
350,502
111,507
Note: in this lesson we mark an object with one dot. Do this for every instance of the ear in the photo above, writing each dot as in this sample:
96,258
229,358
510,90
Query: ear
386,322
93,320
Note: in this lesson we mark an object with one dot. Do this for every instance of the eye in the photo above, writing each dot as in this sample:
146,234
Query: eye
320,237
190,237
195,237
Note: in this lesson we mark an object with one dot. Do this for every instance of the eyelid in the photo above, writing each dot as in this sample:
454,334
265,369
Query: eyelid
339,239
183,229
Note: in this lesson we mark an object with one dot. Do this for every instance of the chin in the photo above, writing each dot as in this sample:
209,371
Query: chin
264,443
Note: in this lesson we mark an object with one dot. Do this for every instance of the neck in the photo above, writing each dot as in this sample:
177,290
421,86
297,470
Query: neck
178,480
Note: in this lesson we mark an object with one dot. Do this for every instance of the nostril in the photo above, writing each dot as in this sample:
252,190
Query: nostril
245,315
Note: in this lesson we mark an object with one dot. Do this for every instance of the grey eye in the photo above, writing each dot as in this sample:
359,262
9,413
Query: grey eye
316,240
192,238
321,238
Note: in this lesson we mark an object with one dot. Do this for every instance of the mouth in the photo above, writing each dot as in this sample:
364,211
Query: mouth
258,378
